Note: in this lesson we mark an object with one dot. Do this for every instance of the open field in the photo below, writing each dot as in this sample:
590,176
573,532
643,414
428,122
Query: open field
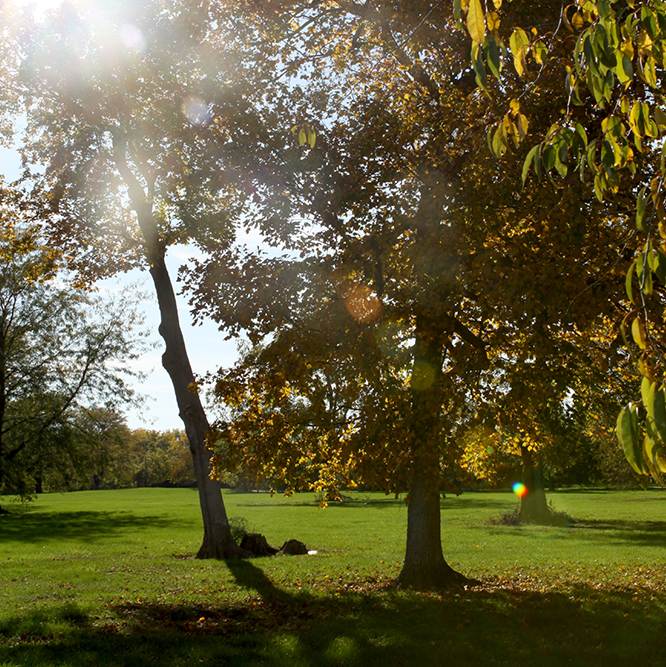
108,578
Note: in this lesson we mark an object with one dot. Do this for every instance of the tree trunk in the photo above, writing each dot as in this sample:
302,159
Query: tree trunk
424,566
217,539
533,505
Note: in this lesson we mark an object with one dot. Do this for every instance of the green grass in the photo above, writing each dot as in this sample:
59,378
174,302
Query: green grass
107,578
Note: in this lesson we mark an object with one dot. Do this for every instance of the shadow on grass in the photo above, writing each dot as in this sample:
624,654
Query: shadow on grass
639,533
365,627
472,501
86,526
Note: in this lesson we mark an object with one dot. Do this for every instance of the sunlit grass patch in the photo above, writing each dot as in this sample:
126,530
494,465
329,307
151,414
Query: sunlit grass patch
109,577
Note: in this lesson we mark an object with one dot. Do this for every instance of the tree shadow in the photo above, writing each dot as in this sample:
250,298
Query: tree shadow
86,526
343,626
464,501
640,533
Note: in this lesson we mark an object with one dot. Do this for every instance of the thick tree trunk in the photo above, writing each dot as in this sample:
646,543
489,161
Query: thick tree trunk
533,504
217,539
424,566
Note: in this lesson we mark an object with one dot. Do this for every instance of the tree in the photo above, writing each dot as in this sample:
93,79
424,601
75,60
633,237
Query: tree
410,238
62,351
162,458
118,99
610,60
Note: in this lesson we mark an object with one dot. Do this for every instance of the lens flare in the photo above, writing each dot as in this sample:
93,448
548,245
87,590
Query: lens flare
390,338
196,111
520,489
423,375
363,304
132,38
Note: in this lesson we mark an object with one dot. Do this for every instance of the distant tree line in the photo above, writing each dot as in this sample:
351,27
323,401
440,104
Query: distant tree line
97,450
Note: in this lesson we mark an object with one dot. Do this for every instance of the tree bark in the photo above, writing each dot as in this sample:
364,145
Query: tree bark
217,539
424,566
533,505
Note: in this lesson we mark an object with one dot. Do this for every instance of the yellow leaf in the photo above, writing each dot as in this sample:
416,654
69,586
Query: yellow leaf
515,106
627,49
523,125
493,21
638,333
519,61
497,3
577,21
475,22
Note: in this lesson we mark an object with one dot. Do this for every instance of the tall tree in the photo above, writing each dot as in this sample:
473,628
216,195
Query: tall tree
405,225
118,99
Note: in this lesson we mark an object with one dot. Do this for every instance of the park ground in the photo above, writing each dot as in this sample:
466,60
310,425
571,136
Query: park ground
108,578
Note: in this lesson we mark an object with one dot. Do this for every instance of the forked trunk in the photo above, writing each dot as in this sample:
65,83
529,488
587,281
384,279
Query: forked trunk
217,539
533,504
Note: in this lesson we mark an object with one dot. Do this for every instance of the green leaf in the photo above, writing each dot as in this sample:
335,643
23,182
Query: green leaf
493,56
649,70
660,267
582,136
648,391
603,7
649,21
640,210
590,154
627,434
498,145
476,24
548,156
540,52
660,118
528,161
647,282
479,68
658,415
628,283
655,454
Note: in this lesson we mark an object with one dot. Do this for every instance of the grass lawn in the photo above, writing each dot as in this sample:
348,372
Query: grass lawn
107,578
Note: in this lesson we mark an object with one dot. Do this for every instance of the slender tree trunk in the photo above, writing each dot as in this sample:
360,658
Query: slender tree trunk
217,539
424,566
533,505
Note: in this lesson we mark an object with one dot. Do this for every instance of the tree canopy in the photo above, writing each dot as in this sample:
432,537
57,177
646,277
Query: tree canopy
424,272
